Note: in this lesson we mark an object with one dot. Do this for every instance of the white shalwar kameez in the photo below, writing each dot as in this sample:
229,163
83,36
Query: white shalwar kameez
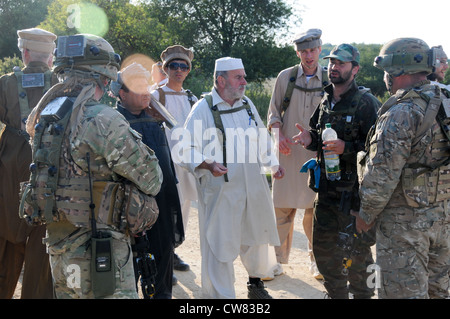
179,106
235,217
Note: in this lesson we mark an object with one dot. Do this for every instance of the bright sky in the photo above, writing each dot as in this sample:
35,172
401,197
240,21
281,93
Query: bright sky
377,21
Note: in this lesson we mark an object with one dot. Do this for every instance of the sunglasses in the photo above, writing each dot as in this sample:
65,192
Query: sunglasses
175,66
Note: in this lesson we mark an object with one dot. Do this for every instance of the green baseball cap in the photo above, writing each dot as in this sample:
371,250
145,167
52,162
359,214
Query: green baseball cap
345,53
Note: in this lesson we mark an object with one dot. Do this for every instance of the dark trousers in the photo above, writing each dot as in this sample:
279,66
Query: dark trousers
37,278
162,250
328,222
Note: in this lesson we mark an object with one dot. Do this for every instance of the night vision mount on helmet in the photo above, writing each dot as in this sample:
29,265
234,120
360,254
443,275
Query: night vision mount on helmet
406,56
88,53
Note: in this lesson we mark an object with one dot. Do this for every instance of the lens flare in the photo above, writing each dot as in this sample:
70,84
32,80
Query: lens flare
88,18
141,59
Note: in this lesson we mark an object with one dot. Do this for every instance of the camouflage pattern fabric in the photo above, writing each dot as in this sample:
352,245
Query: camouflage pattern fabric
413,237
71,267
329,257
413,252
116,152
391,151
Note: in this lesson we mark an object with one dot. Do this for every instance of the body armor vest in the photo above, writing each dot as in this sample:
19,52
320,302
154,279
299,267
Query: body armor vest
350,133
40,192
426,177
56,183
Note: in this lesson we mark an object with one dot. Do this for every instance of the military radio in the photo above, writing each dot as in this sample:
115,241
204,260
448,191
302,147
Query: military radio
102,259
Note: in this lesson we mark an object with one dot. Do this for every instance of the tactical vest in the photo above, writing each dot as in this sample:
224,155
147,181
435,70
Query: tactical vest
291,86
29,80
162,96
425,183
56,184
350,128
40,193
219,124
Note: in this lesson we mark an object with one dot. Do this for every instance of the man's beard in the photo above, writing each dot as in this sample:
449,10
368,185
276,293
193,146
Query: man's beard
342,78
235,94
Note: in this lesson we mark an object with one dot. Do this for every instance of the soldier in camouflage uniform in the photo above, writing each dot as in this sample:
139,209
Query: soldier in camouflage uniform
103,169
351,110
405,187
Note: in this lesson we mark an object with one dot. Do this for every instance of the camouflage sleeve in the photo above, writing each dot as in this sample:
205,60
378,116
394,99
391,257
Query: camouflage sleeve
129,157
389,151
109,136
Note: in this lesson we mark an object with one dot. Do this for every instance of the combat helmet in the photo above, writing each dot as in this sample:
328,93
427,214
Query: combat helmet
406,56
86,53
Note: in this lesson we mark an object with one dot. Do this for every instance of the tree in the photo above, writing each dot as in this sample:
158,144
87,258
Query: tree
368,75
221,28
223,23
16,15
130,27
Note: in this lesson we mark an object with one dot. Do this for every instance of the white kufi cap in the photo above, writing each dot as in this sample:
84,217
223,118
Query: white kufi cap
228,64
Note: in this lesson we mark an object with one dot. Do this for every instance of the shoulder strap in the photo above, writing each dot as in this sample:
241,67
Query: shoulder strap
162,96
219,124
23,98
143,120
289,89
434,103
291,86
190,97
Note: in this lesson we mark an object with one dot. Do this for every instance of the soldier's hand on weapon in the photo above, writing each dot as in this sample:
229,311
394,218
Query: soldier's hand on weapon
361,225
303,138
282,142
334,147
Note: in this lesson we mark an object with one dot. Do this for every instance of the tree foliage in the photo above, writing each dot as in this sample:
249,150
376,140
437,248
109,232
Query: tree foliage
247,29
16,15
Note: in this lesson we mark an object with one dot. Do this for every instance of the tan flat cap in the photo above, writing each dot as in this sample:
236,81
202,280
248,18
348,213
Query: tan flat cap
309,39
177,52
36,39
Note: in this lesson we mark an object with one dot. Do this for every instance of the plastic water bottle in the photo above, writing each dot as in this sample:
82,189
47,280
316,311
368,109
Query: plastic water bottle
331,160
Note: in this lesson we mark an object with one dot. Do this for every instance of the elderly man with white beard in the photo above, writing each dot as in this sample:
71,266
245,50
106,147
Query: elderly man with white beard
236,213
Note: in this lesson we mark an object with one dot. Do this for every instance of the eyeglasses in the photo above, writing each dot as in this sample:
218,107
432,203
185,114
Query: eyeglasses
175,66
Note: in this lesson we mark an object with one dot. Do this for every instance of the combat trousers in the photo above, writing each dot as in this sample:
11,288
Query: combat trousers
70,260
413,253
328,222
37,278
